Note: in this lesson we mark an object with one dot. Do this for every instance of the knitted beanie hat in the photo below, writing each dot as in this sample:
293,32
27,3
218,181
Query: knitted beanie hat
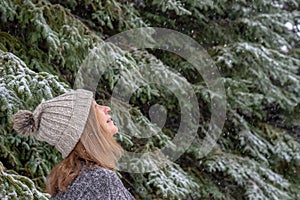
59,121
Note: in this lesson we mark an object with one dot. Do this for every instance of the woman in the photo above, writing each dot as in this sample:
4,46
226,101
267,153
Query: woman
83,132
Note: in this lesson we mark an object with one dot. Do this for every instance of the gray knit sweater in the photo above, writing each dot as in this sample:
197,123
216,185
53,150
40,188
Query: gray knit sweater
95,184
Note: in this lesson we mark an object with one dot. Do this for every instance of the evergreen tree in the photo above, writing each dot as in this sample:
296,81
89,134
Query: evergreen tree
255,45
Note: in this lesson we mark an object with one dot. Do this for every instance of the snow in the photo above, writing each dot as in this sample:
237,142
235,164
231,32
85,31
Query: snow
278,5
298,28
289,26
284,48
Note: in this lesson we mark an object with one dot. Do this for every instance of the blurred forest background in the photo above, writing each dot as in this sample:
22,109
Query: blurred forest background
255,45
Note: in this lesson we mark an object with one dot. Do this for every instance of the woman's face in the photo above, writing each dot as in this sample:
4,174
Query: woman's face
105,119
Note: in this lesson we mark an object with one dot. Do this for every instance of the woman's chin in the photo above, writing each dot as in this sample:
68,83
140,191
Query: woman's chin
115,130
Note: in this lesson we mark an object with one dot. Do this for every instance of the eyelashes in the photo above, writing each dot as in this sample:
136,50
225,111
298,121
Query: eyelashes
98,107
103,108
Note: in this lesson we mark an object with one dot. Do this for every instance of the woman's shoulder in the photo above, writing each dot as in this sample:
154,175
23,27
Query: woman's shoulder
96,183
96,171
90,179
113,184
100,174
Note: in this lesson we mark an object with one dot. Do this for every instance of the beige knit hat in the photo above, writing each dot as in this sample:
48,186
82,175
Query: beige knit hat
59,121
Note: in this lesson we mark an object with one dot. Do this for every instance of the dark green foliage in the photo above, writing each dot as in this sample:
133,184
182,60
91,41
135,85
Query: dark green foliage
255,45
45,36
14,186
22,88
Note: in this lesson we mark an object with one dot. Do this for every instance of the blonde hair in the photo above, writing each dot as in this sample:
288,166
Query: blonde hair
95,148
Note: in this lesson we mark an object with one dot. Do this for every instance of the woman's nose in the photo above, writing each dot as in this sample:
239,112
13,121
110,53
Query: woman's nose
106,109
